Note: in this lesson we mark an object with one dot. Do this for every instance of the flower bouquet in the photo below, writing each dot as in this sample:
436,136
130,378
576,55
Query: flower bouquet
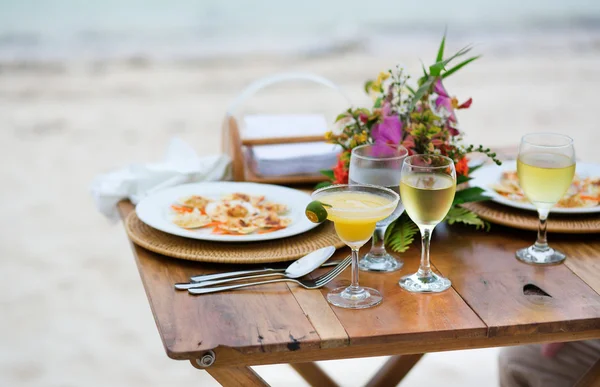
422,118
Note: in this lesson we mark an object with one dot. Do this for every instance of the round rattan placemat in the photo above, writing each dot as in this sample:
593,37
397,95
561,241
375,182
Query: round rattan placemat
528,220
277,250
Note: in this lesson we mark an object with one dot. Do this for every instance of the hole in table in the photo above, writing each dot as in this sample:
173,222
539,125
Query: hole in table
532,290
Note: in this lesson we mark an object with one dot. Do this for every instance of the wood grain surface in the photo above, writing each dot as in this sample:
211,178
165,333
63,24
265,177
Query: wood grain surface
495,300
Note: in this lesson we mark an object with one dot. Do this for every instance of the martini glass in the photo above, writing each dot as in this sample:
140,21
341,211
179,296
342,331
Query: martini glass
355,210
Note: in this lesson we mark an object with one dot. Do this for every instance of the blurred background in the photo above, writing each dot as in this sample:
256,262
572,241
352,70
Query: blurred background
86,87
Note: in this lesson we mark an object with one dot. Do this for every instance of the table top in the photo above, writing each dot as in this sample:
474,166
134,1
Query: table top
495,300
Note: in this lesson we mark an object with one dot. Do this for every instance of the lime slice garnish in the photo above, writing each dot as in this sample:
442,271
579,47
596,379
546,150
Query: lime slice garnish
316,212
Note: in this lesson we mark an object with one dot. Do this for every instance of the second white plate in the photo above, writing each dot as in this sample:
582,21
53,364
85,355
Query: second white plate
488,175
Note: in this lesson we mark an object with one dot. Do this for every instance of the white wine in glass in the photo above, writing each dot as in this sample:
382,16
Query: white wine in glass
427,187
546,166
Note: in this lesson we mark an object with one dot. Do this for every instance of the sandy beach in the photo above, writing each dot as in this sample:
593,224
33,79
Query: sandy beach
74,312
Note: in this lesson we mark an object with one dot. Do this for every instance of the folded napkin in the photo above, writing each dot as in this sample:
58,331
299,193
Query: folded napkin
180,165
289,159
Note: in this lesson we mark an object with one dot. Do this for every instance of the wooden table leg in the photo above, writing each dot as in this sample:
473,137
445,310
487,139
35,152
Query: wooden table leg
313,374
591,378
394,370
236,376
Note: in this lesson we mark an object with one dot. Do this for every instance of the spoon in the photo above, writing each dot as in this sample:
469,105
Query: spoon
297,269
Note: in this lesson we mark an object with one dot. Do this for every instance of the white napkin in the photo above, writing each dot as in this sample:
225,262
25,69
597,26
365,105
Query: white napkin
180,165
289,159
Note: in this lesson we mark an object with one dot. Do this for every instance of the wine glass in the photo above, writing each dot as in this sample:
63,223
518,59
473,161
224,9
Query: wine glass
379,165
546,166
354,210
427,187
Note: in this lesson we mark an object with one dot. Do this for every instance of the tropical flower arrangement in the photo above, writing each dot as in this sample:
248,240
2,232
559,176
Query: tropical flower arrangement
423,120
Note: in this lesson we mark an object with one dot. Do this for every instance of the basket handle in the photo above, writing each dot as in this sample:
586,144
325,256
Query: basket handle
261,83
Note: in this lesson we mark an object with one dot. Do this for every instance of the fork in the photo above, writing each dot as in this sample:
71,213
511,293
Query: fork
214,276
306,283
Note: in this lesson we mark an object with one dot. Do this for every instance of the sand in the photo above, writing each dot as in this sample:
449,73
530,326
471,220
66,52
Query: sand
74,311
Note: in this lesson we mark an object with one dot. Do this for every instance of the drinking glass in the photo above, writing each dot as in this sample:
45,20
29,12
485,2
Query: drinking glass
379,165
354,210
545,166
427,187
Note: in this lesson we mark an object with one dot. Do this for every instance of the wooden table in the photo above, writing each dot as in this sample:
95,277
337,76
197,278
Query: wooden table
495,300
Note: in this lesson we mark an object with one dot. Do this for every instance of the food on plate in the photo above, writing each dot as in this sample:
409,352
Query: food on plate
192,219
583,192
195,201
235,214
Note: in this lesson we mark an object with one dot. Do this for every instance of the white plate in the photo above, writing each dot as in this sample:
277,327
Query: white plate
488,175
155,209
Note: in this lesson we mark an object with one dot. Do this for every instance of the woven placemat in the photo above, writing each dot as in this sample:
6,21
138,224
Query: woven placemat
528,220
277,250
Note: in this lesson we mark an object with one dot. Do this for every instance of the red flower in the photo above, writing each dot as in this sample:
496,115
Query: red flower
340,171
462,166
363,118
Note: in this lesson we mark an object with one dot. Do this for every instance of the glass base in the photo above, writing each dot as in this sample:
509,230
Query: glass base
432,283
380,263
360,298
540,256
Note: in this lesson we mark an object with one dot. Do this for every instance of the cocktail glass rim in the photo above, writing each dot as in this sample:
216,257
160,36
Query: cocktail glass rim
392,204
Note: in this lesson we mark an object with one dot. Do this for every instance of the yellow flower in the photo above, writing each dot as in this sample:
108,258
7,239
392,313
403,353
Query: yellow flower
382,77
361,138
328,136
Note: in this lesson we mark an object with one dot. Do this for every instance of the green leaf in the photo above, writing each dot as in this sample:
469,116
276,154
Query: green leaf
323,184
401,234
410,89
469,195
440,55
377,103
420,92
368,85
462,179
473,169
340,116
459,66
465,216
436,68
328,173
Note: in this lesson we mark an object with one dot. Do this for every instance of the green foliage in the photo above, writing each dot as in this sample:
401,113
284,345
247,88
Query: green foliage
462,179
341,116
459,66
328,173
420,92
462,215
401,234
440,54
323,184
436,69
469,195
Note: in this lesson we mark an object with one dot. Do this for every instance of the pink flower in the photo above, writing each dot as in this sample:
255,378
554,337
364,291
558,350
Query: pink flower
445,105
389,129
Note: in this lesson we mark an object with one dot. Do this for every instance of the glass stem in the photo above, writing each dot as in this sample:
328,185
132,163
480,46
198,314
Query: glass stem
542,243
378,246
354,284
425,267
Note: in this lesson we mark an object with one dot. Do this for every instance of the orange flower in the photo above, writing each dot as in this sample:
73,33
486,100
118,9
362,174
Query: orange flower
462,166
340,171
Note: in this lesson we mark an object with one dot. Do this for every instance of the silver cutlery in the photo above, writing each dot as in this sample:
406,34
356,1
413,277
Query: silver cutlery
313,260
293,271
306,283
